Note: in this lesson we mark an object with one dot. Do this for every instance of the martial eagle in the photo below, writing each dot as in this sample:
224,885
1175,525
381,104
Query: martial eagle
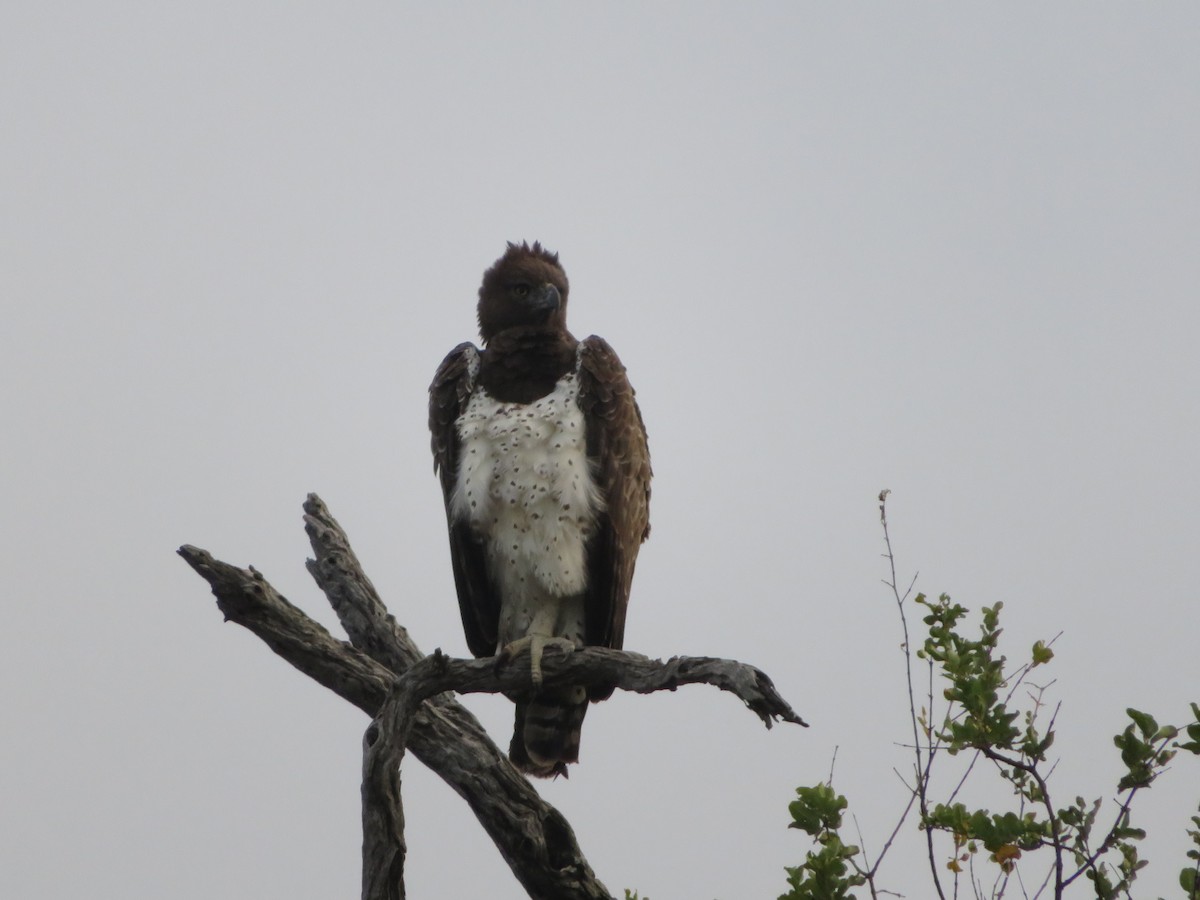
545,471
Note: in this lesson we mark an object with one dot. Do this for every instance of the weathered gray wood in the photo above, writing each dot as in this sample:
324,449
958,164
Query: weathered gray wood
350,592
245,597
600,666
384,673
373,630
534,838
384,849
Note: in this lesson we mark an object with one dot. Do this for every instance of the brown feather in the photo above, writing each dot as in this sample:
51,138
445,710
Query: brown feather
522,365
618,446
478,600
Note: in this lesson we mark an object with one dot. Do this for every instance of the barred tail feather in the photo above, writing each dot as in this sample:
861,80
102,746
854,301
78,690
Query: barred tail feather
547,730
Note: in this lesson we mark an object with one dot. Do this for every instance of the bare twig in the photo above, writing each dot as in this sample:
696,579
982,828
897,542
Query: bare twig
1043,789
1121,817
922,764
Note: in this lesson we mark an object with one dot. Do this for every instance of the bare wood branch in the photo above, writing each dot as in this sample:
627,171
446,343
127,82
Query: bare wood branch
338,573
602,666
534,838
372,629
245,597
528,831
415,709
382,807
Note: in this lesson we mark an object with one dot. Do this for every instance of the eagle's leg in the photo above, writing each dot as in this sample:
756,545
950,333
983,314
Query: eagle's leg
535,643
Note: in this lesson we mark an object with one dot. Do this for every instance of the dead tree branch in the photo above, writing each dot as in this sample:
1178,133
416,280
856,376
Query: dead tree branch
382,672
534,838
382,810
601,666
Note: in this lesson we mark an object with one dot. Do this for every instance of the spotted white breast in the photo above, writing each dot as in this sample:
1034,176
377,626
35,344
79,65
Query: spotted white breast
525,485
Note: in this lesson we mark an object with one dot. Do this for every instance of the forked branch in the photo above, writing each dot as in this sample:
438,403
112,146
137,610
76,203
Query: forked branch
382,672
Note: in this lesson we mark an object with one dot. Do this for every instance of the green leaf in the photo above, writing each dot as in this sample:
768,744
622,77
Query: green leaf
818,809
1144,721
1189,882
1137,834
824,875
1042,653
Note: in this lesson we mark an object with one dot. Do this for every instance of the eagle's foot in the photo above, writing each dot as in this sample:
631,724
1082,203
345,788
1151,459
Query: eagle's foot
536,645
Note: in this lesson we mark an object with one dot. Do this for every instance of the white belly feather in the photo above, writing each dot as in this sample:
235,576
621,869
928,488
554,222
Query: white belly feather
525,486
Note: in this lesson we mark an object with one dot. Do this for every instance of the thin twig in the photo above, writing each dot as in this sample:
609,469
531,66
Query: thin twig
1044,794
921,768
1111,837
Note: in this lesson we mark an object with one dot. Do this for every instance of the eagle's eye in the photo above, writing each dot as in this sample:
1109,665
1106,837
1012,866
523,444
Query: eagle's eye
520,289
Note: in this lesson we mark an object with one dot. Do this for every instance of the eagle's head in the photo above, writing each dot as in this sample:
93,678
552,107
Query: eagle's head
526,287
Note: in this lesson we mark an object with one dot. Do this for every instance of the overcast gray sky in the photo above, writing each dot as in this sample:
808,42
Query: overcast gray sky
950,250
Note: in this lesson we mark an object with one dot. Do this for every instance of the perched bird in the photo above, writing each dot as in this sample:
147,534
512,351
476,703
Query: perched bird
545,471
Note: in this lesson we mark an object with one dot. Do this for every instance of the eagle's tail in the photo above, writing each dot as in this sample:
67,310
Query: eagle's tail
546,735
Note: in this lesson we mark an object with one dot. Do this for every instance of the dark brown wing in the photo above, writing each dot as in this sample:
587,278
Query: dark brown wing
478,600
616,444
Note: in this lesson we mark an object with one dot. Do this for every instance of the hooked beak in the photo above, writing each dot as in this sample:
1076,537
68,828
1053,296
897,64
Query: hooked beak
545,299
